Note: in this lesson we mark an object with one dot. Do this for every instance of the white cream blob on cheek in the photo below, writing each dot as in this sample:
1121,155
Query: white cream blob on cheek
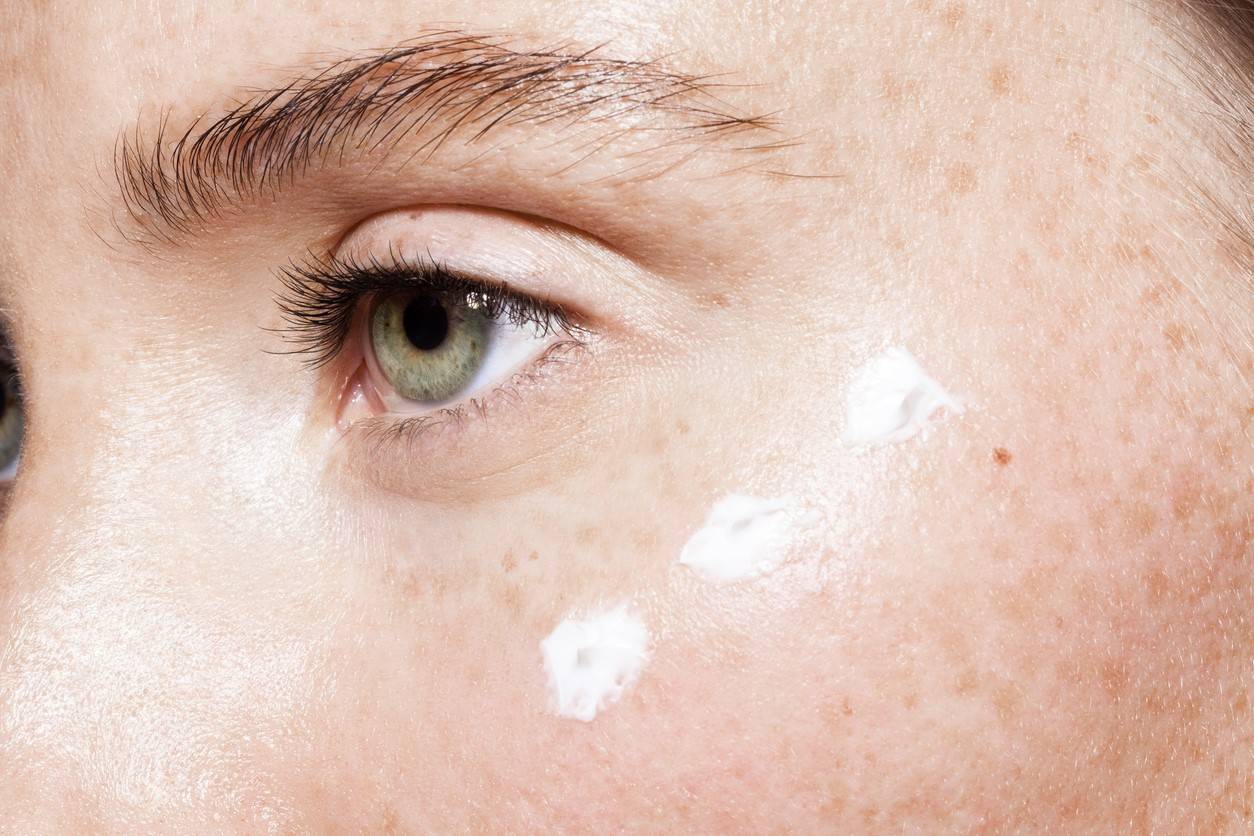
743,537
893,399
591,662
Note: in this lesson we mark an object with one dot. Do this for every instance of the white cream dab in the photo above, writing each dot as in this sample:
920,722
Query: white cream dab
892,399
591,662
743,537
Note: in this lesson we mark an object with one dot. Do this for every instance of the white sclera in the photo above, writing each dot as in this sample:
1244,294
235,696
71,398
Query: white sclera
591,662
892,399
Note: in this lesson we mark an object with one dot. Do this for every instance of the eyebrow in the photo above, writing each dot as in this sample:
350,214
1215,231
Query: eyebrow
421,95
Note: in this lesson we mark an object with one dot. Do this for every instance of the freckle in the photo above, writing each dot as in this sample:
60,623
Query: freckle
586,536
1006,700
1157,294
682,427
512,598
1124,252
1157,585
953,15
962,179
534,556
1141,520
1183,504
508,563
1177,336
999,79
1002,456
890,88
967,682
1114,677
1151,118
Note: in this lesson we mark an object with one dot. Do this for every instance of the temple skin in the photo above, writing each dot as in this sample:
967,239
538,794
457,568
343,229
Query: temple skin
222,611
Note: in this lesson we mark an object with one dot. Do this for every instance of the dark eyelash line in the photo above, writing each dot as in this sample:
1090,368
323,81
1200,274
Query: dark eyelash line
320,298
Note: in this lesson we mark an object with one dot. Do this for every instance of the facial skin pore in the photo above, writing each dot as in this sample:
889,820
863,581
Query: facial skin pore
233,598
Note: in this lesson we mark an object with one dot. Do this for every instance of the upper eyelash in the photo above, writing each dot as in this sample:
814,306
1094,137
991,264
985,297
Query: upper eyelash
320,298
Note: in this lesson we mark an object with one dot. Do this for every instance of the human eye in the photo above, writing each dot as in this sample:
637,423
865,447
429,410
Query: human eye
12,418
421,345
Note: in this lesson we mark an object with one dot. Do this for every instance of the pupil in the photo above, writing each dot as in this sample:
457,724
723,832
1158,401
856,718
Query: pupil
426,322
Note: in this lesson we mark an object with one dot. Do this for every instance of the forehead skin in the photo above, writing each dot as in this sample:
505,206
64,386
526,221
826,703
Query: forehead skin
1036,618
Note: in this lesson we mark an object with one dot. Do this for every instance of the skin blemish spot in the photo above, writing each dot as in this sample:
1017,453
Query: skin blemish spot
1002,456
892,399
591,662
999,79
961,179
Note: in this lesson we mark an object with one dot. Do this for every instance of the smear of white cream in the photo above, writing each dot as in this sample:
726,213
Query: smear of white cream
892,399
591,662
743,537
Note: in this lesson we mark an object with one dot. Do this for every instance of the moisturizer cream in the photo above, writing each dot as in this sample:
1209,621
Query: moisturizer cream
892,399
590,662
743,537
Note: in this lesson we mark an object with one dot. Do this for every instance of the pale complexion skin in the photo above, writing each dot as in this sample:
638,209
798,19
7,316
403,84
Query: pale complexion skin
225,605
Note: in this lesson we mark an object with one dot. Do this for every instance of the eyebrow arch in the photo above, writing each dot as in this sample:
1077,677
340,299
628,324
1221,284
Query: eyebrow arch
442,85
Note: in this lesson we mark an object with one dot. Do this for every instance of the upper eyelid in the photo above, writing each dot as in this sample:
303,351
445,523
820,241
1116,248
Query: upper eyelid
321,298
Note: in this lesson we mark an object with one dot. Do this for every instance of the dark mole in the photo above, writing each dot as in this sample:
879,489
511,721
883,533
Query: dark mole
1002,456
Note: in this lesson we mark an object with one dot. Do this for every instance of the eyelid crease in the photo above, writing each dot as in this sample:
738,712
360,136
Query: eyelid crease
322,295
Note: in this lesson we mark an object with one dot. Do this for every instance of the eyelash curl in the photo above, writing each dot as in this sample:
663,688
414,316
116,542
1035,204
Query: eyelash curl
321,297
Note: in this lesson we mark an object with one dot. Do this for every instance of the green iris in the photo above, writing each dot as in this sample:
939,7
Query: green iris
430,345
11,423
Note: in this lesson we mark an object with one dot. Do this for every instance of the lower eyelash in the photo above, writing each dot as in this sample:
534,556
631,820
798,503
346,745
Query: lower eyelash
384,431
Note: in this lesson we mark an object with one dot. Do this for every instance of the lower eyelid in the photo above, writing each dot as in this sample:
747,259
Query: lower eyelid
492,403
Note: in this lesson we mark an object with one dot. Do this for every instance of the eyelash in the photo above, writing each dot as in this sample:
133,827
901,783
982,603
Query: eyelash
321,297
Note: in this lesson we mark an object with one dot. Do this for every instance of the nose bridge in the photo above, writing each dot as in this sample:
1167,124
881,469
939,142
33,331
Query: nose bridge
180,488
152,599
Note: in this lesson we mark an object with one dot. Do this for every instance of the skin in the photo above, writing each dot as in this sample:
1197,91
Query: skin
221,612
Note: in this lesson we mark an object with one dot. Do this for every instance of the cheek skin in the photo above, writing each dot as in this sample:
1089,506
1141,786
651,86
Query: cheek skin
1034,620
1017,643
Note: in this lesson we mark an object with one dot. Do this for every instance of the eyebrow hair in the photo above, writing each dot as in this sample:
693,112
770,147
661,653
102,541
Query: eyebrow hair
440,86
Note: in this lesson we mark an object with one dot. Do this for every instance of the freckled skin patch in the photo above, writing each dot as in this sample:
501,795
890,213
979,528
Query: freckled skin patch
1002,456
953,15
999,79
961,179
